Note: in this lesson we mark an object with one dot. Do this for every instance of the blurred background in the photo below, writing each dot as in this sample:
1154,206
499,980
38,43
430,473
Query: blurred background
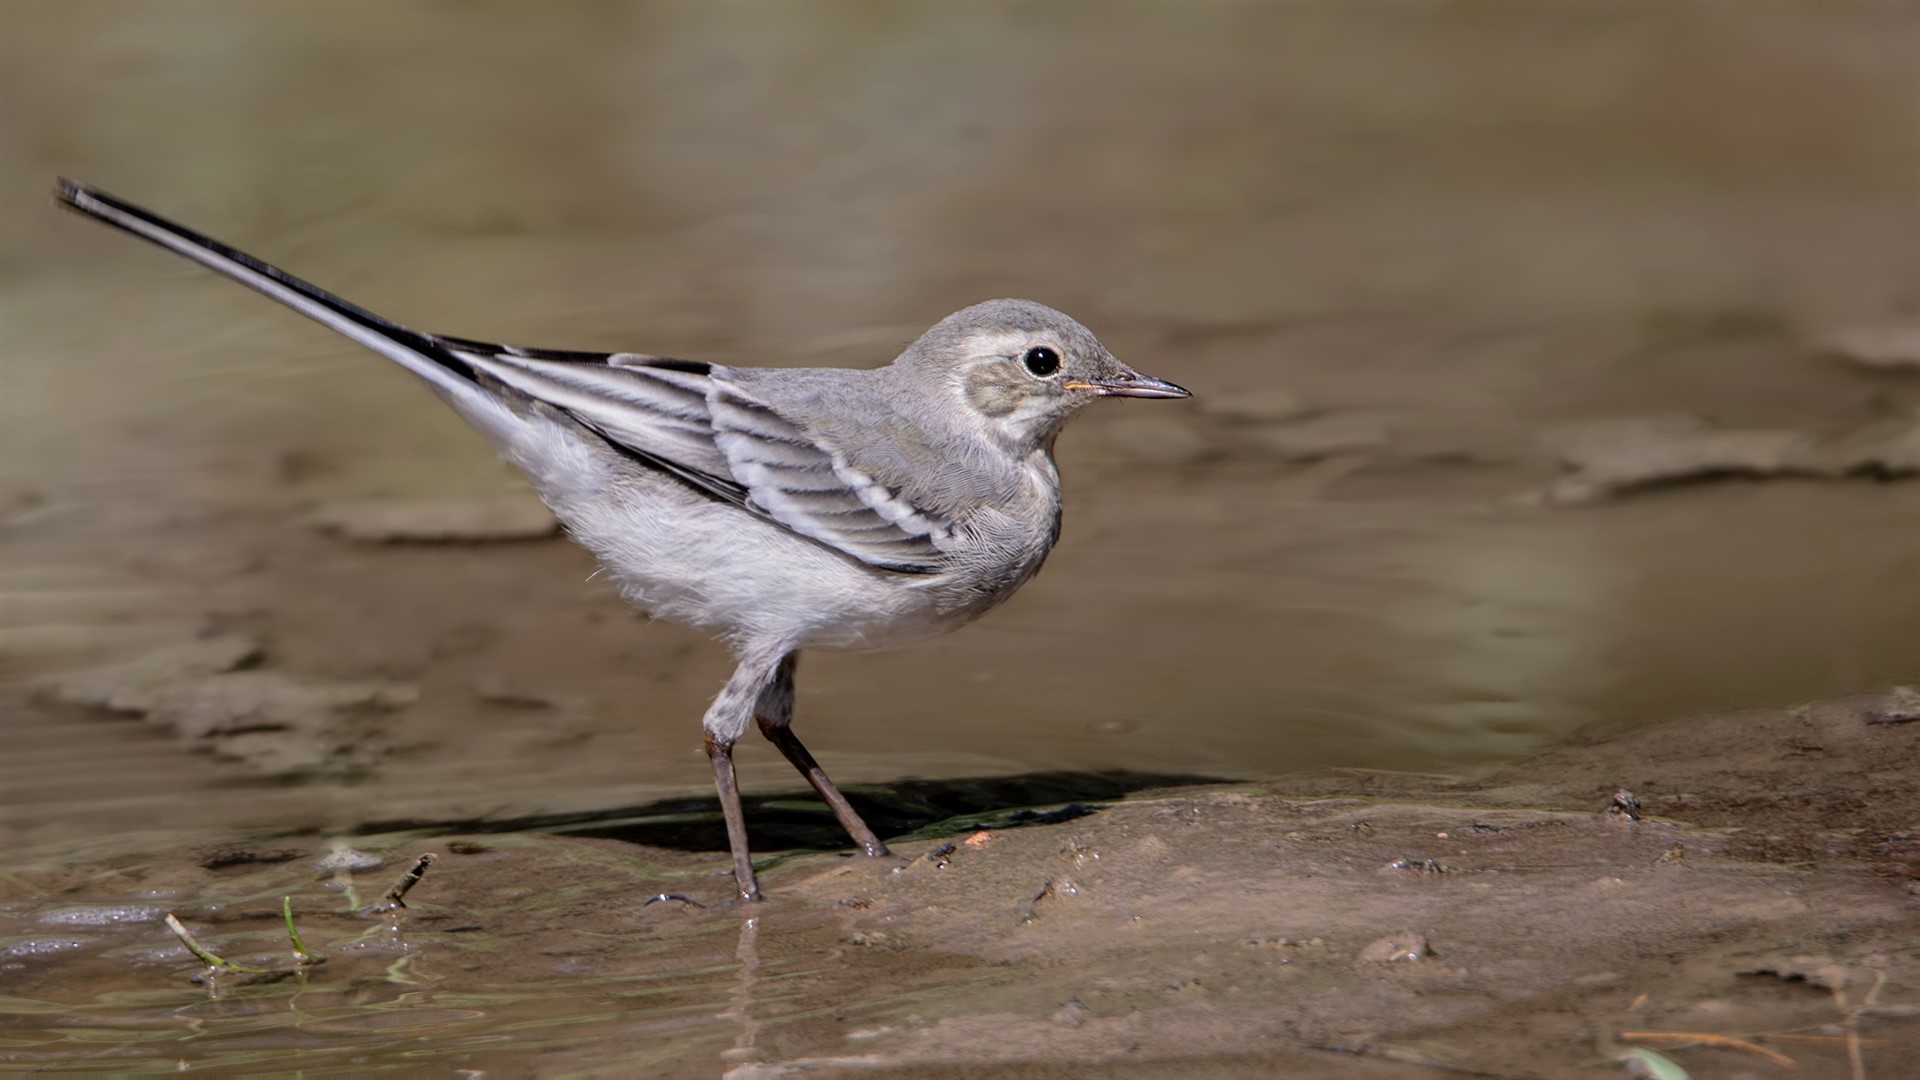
1451,282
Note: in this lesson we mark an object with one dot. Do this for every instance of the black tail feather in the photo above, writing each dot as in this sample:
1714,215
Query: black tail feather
247,270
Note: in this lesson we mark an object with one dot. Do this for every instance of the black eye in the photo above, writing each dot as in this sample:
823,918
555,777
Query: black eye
1041,361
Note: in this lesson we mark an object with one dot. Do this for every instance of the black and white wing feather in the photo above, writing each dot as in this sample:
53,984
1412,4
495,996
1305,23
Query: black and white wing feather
688,419
806,484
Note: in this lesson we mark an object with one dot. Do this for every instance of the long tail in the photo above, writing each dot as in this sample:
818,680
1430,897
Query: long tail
417,352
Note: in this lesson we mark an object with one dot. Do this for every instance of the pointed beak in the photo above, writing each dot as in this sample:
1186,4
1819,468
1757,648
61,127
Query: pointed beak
1141,386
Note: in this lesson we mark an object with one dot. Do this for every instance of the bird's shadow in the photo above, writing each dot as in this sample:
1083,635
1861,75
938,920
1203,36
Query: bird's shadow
797,821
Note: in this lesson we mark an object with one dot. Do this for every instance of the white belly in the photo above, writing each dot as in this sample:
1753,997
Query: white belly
686,558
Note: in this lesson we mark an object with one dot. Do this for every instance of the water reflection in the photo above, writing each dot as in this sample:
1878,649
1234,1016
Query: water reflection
740,1008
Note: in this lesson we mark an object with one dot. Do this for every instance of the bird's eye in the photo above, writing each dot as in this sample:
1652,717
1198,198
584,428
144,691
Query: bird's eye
1041,361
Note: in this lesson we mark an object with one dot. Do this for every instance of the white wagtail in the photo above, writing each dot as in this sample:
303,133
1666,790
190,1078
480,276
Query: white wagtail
779,508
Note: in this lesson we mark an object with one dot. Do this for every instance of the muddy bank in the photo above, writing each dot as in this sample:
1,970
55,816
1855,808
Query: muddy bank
1763,896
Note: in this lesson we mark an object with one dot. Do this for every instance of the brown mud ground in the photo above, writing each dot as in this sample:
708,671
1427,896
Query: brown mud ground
1388,925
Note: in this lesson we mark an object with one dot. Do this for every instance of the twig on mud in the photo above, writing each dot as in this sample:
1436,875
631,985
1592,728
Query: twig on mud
1852,1023
206,956
1818,1040
1707,1038
396,896
303,957
300,953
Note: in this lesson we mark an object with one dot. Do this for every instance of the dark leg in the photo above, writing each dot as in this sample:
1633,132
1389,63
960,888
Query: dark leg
726,721
774,713
721,754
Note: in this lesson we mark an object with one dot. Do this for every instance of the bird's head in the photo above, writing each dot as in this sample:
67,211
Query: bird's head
1020,369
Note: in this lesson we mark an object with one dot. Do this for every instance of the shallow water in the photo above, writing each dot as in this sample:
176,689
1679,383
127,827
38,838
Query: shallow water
1388,248
621,987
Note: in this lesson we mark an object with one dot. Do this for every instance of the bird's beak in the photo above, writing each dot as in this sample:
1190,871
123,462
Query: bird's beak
1145,386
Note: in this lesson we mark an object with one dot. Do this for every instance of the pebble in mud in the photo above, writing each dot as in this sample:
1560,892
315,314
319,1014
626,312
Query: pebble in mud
1072,1014
1402,948
1058,886
1079,853
1624,804
1286,946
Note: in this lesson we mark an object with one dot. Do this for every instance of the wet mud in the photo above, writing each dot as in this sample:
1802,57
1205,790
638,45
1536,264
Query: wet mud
1761,897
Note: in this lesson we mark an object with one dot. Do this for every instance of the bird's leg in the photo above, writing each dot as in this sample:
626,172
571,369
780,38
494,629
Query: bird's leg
774,713
726,721
721,754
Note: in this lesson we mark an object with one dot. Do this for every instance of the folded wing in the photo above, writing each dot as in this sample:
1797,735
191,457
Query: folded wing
686,419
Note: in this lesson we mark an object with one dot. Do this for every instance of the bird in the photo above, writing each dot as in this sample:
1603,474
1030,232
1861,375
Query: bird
778,509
